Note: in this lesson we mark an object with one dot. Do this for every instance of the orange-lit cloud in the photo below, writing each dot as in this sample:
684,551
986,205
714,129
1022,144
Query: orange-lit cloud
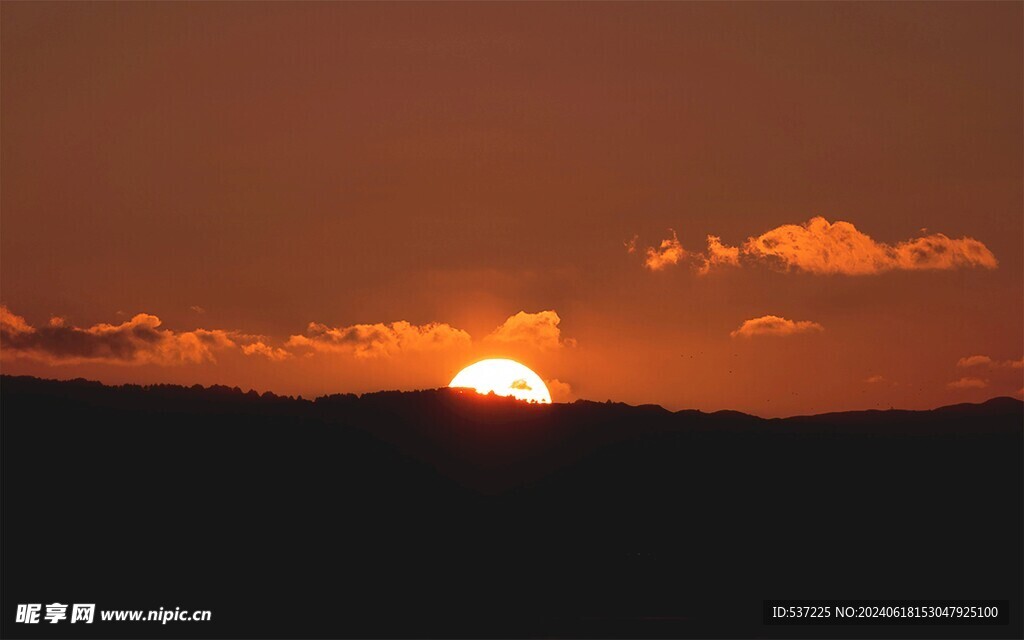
260,348
560,391
875,379
973,361
669,252
1000,374
821,247
12,325
377,340
775,326
968,383
976,361
137,341
631,244
718,255
539,330
142,341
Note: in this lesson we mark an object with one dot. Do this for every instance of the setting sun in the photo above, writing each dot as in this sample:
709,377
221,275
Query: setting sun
505,378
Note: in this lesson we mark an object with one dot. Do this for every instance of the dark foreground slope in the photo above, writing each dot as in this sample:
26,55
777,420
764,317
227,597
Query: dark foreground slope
440,514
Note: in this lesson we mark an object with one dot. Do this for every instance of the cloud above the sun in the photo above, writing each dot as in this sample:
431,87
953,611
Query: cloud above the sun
539,330
775,326
827,248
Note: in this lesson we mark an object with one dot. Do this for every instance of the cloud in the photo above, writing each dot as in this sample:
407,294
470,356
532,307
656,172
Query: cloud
775,326
973,361
719,255
197,309
1000,374
137,341
13,326
259,348
631,244
668,252
821,247
560,391
380,340
521,384
142,340
968,383
539,330
535,329
874,379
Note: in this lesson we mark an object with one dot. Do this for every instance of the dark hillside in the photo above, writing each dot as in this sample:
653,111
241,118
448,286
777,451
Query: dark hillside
451,514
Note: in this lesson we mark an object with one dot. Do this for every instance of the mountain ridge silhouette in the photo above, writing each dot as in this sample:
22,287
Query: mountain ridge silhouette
446,514
999,403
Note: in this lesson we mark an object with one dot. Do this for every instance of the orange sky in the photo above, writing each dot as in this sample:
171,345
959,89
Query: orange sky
314,198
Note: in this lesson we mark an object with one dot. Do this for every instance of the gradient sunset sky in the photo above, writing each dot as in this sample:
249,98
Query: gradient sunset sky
776,208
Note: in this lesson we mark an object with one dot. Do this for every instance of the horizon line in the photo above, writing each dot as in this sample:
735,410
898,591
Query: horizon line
489,396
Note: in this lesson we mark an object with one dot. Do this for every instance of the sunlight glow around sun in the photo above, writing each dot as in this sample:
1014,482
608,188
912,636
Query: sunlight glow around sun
505,378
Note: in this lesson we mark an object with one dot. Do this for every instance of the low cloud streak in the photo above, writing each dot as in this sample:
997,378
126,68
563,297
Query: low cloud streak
775,326
379,340
135,342
968,383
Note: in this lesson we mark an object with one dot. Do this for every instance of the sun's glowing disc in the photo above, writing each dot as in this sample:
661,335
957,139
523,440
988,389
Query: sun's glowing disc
505,378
